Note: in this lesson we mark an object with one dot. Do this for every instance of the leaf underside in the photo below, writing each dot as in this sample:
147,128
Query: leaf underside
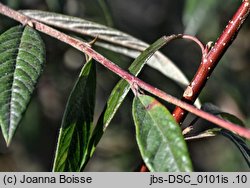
22,56
111,39
159,137
77,122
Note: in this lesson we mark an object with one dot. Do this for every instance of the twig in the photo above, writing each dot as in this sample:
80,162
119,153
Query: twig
86,48
210,60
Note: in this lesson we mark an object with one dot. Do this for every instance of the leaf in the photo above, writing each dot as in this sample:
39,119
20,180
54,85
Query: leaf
119,93
111,39
210,131
208,107
239,142
77,122
212,109
205,134
22,56
159,137
236,139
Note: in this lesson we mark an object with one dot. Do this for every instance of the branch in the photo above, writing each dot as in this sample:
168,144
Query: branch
211,59
132,80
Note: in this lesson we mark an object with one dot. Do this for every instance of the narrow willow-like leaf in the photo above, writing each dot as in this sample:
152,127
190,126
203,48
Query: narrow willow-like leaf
236,139
205,134
119,93
77,122
211,131
210,108
111,39
239,142
22,56
159,137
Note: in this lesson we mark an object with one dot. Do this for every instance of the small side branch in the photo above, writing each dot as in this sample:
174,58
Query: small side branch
211,59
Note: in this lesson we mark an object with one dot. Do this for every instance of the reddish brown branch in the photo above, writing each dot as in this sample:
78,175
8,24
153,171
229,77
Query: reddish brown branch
210,60
86,48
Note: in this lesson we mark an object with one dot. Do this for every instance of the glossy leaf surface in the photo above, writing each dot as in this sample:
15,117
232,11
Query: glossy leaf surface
77,122
159,137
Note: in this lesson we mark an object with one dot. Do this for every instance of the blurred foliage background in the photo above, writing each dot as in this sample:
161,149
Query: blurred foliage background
34,144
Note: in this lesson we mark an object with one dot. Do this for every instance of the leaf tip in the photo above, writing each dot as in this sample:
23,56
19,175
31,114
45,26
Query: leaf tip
8,141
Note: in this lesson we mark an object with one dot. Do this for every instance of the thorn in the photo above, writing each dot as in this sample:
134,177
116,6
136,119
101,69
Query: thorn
91,43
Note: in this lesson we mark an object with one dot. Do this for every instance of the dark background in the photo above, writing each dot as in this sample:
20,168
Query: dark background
34,143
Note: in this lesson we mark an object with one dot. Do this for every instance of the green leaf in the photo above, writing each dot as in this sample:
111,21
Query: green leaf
159,137
111,39
211,131
208,107
119,93
195,131
236,139
77,122
239,142
22,56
